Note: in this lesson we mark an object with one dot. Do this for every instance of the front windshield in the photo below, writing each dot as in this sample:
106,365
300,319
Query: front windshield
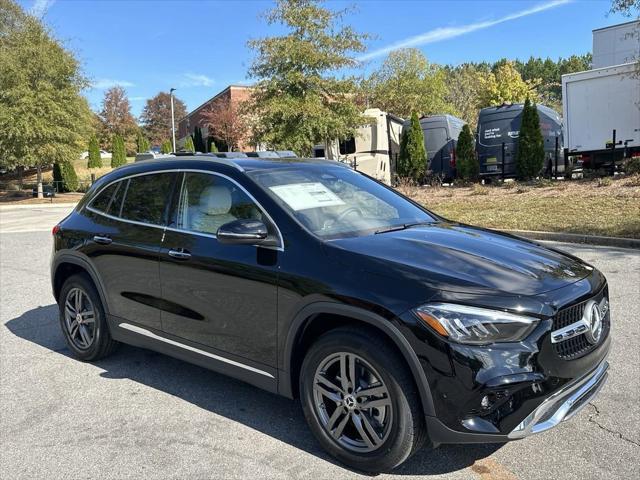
336,202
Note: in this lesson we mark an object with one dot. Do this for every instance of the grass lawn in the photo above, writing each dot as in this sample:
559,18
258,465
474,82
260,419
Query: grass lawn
609,207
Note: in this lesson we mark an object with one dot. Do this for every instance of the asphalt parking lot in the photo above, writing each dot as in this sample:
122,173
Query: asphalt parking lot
139,414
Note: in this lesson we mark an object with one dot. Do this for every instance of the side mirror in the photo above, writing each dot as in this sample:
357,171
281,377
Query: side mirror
243,232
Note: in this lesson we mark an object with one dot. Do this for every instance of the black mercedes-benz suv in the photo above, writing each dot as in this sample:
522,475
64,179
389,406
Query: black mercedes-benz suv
392,325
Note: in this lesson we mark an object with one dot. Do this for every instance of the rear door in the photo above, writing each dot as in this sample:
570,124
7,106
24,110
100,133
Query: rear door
436,142
129,218
219,295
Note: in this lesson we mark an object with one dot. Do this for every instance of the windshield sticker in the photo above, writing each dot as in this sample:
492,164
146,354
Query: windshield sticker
302,196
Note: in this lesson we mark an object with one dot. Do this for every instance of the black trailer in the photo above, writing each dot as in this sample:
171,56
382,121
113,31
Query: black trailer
497,140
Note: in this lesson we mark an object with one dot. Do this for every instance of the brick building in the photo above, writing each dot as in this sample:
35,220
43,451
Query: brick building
235,94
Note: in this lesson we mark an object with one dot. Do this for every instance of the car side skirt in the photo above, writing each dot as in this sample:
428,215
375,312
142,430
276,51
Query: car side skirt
259,375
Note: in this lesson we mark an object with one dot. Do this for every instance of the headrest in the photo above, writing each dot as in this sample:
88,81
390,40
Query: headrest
215,200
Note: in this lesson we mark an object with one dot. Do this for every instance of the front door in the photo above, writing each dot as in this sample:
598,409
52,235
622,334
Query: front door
220,296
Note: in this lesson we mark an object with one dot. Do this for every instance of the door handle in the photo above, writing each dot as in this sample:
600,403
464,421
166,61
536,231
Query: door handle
180,254
102,240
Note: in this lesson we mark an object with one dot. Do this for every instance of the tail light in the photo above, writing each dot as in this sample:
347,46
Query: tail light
452,162
55,230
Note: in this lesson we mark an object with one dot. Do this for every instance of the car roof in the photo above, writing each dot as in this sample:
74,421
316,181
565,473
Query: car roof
242,164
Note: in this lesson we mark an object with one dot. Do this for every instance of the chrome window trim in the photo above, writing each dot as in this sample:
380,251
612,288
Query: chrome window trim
150,334
181,230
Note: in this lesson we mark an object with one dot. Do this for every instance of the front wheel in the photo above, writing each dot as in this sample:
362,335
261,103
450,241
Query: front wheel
360,400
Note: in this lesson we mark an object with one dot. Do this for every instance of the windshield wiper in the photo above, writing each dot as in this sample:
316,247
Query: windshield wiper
397,228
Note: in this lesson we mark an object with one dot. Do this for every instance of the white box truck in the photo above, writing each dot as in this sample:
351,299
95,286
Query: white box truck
601,110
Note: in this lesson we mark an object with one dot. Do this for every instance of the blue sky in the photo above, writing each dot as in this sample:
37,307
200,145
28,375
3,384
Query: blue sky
199,47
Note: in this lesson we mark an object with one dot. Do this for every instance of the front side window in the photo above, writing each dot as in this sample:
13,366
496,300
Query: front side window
146,198
207,202
336,202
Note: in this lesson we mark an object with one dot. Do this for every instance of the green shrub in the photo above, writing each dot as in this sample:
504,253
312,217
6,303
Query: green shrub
188,145
166,147
530,159
65,178
94,159
142,144
119,153
466,161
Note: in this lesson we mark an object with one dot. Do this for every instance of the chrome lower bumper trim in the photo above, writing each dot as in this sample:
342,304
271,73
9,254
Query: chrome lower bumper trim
563,404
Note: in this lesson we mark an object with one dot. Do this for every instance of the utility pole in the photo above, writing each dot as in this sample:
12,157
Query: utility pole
173,121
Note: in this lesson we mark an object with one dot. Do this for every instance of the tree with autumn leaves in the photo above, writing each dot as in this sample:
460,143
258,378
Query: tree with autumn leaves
156,117
226,123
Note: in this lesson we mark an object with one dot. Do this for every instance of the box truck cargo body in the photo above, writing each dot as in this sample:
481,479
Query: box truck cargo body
598,105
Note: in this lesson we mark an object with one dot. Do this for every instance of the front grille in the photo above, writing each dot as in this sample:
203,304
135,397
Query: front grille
579,346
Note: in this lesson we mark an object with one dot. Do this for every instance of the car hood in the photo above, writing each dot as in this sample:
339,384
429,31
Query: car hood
455,257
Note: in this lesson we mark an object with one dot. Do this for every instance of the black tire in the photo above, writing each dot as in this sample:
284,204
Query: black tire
406,432
102,344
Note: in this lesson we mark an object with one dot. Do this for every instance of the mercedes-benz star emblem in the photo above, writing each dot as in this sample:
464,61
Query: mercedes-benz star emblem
594,320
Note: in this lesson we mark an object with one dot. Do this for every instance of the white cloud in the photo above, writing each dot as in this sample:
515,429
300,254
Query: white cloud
104,83
444,33
40,7
196,80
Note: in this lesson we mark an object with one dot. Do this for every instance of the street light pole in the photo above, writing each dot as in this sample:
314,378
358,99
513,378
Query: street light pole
173,121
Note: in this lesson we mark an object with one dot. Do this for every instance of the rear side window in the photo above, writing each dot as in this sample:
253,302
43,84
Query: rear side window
146,198
102,201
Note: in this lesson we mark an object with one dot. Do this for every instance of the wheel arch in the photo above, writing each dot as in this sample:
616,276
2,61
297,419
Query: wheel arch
310,315
68,265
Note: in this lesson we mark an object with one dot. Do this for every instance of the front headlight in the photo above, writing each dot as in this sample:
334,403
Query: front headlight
475,326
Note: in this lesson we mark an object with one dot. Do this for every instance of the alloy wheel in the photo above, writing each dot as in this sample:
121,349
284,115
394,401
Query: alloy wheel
80,318
352,402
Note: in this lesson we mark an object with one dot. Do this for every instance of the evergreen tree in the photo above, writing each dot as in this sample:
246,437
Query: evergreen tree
64,177
466,161
188,145
166,147
530,159
198,141
94,160
118,154
416,155
142,144
402,165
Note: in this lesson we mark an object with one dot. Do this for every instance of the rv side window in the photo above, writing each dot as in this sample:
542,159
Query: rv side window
348,146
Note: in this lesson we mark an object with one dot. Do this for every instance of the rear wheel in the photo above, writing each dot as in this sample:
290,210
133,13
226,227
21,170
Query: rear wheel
360,400
83,320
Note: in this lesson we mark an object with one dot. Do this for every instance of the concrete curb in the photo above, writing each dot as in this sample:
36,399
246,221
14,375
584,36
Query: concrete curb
620,242
37,205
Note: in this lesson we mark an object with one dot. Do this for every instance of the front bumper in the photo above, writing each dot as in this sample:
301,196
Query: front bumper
563,404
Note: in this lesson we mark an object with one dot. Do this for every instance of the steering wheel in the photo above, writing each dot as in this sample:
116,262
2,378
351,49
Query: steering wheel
348,211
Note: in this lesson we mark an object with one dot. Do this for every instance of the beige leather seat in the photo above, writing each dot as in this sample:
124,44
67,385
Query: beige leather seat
212,211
